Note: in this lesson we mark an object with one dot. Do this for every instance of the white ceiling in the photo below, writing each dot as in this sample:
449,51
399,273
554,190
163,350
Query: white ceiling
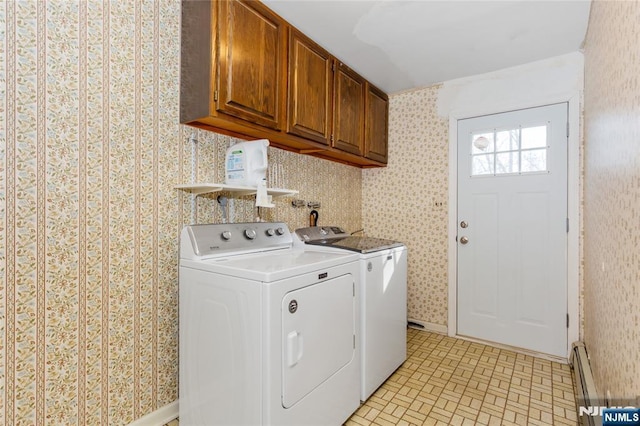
400,45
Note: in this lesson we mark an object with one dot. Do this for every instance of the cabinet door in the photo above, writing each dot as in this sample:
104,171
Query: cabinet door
348,127
376,127
310,89
251,57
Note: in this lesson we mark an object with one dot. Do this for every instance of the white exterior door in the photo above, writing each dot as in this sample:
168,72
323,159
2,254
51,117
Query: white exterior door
512,228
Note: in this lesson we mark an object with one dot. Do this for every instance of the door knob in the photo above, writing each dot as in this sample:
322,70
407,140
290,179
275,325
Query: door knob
464,240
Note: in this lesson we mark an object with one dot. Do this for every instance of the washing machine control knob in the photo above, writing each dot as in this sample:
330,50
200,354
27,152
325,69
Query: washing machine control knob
270,232
250,233
280,231
226,235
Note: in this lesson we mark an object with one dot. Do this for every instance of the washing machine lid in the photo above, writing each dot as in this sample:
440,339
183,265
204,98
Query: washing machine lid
273,265
336,237
358,244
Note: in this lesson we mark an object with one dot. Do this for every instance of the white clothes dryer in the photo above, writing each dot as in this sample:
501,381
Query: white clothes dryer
268,332
383,299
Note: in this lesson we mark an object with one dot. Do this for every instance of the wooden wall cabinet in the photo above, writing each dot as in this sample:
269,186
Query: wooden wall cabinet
348,108
250,57
376,129
246,72
310,94
233,63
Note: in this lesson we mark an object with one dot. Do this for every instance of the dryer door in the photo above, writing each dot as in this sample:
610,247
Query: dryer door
318,335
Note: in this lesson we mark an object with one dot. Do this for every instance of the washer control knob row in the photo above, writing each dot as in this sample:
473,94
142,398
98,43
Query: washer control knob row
226,235
250,233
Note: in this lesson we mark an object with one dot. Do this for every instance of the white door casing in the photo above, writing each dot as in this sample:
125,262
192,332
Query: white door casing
507,267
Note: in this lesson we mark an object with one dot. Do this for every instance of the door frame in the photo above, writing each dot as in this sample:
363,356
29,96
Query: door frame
573,204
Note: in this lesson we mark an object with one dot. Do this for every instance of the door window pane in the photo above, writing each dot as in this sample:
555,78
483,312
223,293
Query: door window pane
509,151
482,143
534,137
534,160
482,165
507,140
507,162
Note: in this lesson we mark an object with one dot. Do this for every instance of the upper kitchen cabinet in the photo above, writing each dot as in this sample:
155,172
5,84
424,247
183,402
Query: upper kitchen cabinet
246,72
233,61
376,119
251,49
310,86
348,115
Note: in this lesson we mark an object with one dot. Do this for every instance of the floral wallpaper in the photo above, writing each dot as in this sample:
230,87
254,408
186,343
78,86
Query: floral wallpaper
89,218
408,200
612,197
335,186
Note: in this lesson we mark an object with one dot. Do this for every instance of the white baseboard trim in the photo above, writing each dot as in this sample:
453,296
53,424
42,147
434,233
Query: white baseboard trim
428,326
160,417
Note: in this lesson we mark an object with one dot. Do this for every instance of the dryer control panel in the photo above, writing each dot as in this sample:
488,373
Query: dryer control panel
217,239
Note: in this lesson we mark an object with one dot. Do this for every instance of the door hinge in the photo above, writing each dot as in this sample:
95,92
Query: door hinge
567,225
567,129
567,320
215,96
331,138
333,67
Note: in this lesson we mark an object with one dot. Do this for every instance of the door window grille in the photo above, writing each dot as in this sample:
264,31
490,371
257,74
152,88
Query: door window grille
520,150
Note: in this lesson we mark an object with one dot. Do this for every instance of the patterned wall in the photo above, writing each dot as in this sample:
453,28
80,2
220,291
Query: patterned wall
410,197
91,150
337,187
612,196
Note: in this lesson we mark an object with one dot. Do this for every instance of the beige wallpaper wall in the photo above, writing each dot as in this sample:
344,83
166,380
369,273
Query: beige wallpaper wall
408,200
612,196
89,219
337,187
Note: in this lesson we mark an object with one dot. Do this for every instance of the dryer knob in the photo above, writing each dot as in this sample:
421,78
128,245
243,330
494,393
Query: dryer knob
250,233
270,232
226,235
280,231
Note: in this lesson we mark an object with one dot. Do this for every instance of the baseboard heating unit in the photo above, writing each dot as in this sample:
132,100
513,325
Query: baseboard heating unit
587,395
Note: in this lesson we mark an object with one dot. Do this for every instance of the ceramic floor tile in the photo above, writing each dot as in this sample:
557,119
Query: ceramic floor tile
447,381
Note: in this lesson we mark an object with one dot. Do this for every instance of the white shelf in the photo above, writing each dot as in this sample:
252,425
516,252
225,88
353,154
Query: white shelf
204,188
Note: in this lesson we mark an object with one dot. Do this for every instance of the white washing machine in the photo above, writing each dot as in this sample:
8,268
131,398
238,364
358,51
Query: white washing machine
383,298
269,333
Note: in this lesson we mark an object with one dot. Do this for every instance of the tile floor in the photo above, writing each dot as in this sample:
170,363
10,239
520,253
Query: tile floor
447,381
